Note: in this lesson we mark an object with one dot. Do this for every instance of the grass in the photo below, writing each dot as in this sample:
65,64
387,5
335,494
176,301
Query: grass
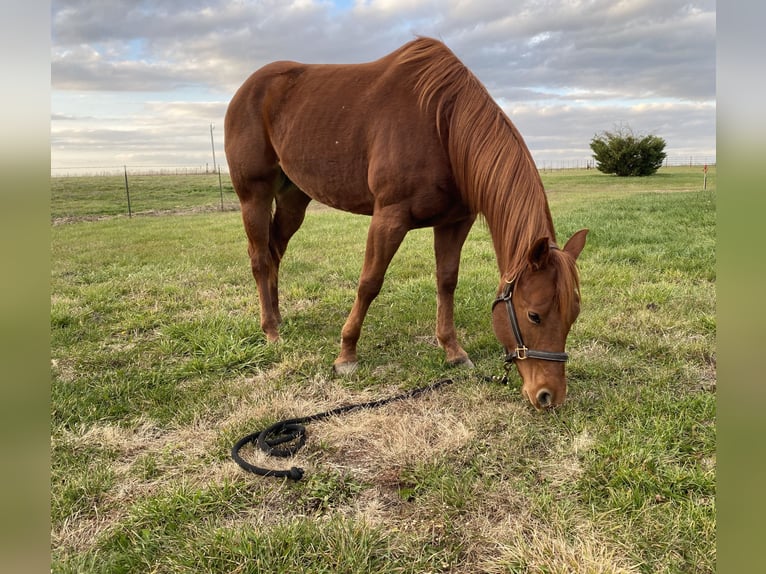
159,366
89,197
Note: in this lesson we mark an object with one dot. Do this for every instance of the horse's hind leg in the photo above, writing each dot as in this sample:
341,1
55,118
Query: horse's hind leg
288,217
256,217
448,242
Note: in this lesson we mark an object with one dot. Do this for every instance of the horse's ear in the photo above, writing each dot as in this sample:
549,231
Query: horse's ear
538,253
576,243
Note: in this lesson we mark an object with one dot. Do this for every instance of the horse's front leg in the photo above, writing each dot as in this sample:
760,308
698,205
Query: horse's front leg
386,232
448,243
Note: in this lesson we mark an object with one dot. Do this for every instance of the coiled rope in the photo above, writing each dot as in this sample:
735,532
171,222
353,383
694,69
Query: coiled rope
292,433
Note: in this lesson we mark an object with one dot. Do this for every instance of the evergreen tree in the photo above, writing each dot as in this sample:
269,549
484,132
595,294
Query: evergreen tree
625,154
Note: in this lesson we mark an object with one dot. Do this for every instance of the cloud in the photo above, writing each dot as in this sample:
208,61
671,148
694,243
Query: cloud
666,49
562,132
591,61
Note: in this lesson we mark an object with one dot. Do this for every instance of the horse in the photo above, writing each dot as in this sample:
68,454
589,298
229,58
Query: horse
413,140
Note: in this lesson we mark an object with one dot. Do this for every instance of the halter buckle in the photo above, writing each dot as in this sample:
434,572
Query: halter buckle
521,353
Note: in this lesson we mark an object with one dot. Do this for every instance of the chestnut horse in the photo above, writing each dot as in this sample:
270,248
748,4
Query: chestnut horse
413,140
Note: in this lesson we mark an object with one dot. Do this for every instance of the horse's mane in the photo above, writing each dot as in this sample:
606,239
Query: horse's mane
491,163
568,284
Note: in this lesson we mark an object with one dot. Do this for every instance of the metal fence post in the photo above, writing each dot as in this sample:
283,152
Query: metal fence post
220,186
127,190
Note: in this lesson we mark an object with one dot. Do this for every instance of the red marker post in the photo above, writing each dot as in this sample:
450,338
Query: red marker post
704,177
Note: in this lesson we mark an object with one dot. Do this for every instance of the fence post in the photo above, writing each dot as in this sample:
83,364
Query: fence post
220,186
127,190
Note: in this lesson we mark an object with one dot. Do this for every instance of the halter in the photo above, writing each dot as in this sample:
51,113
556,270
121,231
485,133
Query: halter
522,352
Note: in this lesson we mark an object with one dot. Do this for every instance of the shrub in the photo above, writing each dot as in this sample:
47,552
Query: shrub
623,153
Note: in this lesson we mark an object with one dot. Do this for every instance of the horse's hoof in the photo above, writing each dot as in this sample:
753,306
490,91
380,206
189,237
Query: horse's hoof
463,362
344,368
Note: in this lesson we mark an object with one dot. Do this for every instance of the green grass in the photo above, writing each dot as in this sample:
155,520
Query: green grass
98,196
158,366
666,179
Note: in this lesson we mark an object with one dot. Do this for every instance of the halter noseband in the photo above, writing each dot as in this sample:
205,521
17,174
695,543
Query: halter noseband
522,352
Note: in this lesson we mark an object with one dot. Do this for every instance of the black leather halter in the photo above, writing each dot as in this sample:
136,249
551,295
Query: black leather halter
521,352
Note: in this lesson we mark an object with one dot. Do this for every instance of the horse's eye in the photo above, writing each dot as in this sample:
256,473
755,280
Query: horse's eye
534,317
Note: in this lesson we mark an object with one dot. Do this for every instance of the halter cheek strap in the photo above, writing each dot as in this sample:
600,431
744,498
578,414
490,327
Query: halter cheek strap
521,352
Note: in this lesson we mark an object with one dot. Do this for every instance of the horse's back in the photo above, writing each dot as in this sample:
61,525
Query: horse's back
345,134
286,100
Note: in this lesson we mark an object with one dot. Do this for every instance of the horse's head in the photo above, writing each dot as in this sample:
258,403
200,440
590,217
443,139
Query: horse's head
533,314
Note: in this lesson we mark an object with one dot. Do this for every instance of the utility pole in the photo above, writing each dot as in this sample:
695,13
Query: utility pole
212,145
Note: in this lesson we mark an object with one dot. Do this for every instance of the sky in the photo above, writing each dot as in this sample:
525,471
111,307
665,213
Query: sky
140,82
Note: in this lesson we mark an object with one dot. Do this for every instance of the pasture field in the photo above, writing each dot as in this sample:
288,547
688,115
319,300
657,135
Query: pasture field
95,197
158,366
79,198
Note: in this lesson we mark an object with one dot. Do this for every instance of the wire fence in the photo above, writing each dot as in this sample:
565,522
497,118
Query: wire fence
670,161
112,170
108,191
542,165
138,190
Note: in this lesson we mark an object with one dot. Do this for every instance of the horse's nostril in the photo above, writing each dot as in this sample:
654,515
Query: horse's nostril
544,398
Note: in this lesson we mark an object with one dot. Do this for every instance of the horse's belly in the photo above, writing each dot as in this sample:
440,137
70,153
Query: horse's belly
334,189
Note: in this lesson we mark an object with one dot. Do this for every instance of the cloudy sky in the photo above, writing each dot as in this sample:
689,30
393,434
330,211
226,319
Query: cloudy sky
139,82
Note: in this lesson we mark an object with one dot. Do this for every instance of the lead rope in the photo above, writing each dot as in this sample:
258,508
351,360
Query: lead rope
294,431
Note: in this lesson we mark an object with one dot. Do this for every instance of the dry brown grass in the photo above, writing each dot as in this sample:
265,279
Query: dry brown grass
373,447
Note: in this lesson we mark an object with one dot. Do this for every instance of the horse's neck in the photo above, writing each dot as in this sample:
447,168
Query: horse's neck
517,223
498,177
